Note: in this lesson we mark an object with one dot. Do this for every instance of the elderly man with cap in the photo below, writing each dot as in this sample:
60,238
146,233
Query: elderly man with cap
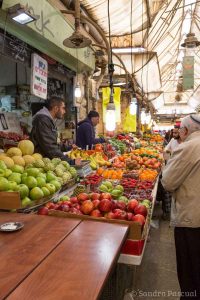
182,177
85,137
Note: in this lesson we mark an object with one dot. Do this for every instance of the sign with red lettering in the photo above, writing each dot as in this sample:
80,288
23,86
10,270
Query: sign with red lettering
39,74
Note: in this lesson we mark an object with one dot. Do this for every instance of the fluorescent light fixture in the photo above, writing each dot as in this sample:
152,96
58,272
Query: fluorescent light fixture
110,117
129,50
77,91
20,14
133,108
143,117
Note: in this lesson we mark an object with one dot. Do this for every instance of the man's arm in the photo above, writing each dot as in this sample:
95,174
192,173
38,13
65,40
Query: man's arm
48,142
177,169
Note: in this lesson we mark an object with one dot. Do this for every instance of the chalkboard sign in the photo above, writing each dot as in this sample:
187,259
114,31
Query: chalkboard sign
15,48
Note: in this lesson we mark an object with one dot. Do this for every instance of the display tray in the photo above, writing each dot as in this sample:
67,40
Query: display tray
136,231
11,200
83,164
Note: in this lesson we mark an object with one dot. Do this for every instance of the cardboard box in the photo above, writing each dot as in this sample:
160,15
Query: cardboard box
136,232
11,200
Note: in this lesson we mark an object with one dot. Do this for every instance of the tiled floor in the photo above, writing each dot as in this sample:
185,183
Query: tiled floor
156,278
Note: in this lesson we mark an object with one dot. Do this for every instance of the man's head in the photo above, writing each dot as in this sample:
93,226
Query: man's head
56,106
94,117
189,125
176,135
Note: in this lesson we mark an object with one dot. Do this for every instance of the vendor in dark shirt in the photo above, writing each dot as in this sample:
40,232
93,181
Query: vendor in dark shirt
44,132
85,137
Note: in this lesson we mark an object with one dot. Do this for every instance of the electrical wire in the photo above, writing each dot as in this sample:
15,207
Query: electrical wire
131,25
109,32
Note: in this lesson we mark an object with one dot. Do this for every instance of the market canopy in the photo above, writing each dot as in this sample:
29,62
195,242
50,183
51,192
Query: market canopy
151,34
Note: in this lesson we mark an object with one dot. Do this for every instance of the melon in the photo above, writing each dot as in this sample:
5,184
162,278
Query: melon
26,147
29,159
37,156
18,160
14,151
8,161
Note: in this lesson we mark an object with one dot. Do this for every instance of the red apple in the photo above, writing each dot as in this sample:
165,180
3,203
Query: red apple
139,218
119,214
74,210
64,207
110,215
105,196
129,216
140,209
96,213
68,203
82,197
73,200
77,206
105,205
121,205
96,203
50,205
114,204
87,206
43,211
94,196
131,205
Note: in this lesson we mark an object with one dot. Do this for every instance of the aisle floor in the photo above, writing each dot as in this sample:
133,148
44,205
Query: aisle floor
156,278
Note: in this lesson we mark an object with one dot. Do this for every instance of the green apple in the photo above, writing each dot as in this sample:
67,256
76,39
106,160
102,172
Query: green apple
56,184
36,193
15,177
7,173
51,188
23,190
12,185
26,202
30,181
40,181
45,191
33,172
64,198
4,184
17,169
50,176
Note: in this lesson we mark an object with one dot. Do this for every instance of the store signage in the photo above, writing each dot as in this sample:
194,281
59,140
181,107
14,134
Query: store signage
14,48
188,72
39,74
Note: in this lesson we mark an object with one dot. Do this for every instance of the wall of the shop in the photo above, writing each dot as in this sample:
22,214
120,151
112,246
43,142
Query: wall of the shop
8,72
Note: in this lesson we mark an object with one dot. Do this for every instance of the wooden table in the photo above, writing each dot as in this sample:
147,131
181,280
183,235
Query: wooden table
22,251
78,267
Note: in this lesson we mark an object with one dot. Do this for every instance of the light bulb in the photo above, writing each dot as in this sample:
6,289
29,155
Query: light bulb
148,118
143,117
77,92
110,117
132,108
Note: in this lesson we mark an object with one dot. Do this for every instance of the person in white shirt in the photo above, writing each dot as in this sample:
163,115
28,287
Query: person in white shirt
166,196
174,142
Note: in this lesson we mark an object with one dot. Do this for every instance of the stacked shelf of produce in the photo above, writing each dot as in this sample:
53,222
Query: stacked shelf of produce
30,177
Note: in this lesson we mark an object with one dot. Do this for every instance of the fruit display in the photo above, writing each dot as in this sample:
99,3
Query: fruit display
118,145
13,136
92,180
33,176
96,158
101,205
